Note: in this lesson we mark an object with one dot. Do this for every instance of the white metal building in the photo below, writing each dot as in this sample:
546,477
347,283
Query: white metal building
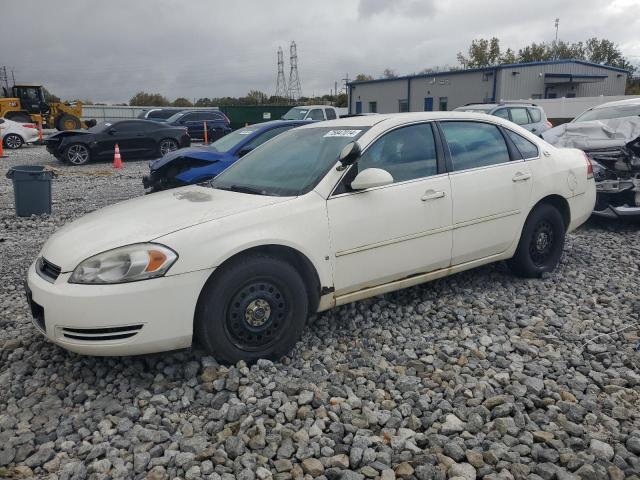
451,89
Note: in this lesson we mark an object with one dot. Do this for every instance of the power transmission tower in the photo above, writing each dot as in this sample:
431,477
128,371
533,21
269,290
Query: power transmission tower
281,84
295,90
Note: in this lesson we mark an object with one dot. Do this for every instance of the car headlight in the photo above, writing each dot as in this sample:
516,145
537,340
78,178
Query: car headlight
125,264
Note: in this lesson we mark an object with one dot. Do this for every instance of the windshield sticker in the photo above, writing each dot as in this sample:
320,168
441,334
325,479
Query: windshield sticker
107,124
342,133
245,132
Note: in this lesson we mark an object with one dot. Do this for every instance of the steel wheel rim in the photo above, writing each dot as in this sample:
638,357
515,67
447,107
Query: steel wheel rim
77,154
542,243
257,315
13,141
167,146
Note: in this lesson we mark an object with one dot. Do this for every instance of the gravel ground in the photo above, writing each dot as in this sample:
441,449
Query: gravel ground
480,375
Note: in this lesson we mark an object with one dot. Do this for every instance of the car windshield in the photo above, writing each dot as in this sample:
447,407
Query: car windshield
174,117
604,113
290,164
296,113
229,141
100,127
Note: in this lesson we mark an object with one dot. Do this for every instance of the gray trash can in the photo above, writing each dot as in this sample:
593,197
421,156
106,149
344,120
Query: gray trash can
31,189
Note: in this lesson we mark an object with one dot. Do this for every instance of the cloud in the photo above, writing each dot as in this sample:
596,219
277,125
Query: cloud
409,8
106,51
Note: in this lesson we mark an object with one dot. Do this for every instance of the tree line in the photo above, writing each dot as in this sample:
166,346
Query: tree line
486,52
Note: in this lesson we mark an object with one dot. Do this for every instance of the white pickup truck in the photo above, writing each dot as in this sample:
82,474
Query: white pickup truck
313,112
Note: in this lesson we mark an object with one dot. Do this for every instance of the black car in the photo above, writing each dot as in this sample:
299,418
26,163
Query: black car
135,139
218,125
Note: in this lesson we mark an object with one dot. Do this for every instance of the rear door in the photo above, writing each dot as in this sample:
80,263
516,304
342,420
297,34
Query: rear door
194,122
216,125
491,189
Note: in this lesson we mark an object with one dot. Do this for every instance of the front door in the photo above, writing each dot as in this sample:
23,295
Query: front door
428,104
358,107
126,136
490,187
387,233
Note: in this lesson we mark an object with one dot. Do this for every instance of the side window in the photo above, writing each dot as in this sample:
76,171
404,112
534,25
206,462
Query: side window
373,107
406,153
331,113
268,135
123,127
527,149
502,113
535,114
519,116
474,144
190,117
211,117
316,114
442,104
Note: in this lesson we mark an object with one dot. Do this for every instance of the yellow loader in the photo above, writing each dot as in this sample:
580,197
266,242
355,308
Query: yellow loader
27,104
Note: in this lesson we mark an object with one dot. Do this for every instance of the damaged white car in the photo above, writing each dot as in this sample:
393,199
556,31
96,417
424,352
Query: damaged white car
613,145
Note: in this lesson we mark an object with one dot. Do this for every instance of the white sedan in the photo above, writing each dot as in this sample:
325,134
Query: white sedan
16,134
322,215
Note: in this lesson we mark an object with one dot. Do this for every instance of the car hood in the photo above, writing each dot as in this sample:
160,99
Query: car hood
594,134
67,133
199,153
144,219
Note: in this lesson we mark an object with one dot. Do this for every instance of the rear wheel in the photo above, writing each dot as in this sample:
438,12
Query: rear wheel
13,141
77,154
167,145
541,243
255,307
67,122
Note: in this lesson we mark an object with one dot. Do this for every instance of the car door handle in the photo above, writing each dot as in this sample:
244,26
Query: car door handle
432,195
521,177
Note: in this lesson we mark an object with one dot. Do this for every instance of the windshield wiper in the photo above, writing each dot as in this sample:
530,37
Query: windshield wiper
241,189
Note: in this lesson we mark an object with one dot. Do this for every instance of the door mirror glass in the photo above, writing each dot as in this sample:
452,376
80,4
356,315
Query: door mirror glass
371,177
349,154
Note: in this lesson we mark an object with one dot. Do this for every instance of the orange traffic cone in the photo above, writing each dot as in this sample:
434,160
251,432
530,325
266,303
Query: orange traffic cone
2,155
40,132
206,136
117,161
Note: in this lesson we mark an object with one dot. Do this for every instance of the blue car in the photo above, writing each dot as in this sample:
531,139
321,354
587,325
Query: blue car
199,164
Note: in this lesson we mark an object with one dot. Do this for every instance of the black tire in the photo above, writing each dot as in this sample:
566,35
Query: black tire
77,154
12,141
167,145
19,117
68,122
541,243
254,307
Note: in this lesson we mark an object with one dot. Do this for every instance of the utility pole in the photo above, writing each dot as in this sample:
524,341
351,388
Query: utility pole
281,83
295,90
555,43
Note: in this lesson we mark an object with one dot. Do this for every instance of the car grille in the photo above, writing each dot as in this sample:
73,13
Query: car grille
100,334
47,270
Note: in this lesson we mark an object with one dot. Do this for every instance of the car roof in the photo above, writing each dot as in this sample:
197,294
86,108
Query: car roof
399,118
628,101
313,106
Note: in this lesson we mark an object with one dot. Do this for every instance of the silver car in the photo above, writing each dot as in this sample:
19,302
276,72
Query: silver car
527,115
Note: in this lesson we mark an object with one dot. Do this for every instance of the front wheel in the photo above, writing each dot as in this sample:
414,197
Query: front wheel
541,243
13,141
255,307
77,154
167,145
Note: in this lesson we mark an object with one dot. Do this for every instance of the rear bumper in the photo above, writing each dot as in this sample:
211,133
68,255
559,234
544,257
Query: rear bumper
123,319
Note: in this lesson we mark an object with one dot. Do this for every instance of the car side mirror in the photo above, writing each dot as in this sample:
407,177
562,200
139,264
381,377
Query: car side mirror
371,177
349,155
111,131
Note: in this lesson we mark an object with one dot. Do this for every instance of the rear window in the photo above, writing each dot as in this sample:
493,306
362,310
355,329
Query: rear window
535,114
527,148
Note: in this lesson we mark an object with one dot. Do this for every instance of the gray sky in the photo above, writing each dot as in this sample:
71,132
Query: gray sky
108,50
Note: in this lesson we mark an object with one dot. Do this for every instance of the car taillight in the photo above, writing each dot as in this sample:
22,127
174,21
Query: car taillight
589,165
549,124
29,125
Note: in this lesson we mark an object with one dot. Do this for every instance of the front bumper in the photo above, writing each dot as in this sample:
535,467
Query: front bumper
123,319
